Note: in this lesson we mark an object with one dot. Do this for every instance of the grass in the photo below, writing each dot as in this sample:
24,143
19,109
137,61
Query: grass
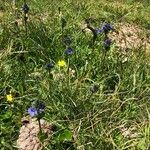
95,120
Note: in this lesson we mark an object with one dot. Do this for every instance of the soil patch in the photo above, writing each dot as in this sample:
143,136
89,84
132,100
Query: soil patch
129,36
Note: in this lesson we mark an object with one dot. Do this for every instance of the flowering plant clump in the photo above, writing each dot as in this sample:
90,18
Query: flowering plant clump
105,28
61,63
38,112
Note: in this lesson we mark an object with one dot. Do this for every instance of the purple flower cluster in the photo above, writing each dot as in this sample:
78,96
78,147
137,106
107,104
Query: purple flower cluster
105,28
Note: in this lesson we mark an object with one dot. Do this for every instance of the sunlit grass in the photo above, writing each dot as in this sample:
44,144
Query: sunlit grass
94,98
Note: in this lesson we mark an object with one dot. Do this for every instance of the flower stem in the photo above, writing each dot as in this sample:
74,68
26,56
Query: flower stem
40,128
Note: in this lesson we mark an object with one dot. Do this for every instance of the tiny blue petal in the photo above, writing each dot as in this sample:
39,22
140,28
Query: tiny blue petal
32,111
98,31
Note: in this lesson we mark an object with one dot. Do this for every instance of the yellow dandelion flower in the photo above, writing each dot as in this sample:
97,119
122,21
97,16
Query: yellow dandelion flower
9,98
61,63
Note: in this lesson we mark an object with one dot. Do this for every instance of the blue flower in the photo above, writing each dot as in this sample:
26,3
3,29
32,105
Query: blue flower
69,51
32,111
37,110
49,66
107,27
107,43
25,8
98,31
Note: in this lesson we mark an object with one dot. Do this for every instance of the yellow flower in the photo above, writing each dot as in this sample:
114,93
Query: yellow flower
9,98
61,63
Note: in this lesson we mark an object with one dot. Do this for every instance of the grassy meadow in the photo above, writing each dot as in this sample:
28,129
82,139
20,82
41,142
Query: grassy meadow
68,55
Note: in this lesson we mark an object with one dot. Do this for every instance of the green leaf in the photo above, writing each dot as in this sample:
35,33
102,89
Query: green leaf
7,115
65,135
42,136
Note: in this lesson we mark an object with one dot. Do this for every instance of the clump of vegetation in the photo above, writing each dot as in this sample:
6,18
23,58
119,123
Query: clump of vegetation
61,64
